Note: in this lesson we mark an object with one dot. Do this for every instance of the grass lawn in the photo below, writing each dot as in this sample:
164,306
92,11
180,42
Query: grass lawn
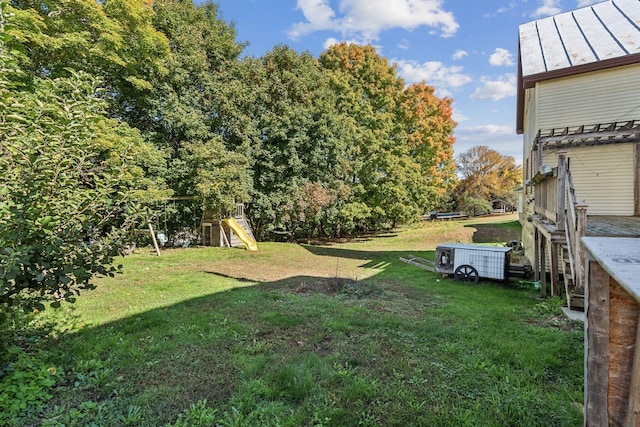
319,335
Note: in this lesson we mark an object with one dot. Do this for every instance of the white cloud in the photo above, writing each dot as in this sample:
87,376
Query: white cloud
512,5
404,44
319,15
504,9
487,131
459,54
434,73
548,8
503,87
459,116
364,20
501,57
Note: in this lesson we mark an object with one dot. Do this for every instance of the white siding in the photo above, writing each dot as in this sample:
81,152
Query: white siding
591,98
603,177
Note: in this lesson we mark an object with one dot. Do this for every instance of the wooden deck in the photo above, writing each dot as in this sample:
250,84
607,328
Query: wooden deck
613,226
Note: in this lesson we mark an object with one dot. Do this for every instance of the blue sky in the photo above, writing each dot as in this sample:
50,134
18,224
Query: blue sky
466,49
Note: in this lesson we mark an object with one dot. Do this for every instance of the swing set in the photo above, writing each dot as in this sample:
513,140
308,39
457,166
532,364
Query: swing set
228,230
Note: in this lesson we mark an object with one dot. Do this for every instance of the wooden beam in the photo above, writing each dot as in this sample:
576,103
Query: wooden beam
636,180
633,411
153,238
179,198
623,320
543,265
581,231
618,136
560,195
555,272
536,256
597,347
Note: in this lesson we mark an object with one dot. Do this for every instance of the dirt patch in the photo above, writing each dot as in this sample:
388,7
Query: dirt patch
339,287
487,233
558,321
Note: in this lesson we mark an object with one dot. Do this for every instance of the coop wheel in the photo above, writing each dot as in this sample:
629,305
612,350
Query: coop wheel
466,273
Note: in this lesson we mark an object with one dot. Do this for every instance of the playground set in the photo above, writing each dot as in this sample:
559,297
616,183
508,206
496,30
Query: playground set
230,230
222,230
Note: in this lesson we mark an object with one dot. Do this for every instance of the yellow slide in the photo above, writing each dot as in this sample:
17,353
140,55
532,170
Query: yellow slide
248,242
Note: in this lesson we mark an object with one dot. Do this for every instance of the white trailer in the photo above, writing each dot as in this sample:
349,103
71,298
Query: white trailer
470,262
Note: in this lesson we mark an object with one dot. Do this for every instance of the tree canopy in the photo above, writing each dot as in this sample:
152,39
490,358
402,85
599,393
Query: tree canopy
487,175
108,105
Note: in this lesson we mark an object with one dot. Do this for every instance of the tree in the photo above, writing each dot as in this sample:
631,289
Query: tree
191,113
401,146
111,39
487,175
299,153
70,179
428,122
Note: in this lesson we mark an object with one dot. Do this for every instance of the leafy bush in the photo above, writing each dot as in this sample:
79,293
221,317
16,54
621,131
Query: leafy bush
69,183
474,206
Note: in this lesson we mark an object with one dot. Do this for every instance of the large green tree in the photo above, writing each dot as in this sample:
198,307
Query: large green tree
110,39
300,150
191,112
401,147
70,179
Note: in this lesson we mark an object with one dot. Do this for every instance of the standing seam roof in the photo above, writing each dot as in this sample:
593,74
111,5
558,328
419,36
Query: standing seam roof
606,30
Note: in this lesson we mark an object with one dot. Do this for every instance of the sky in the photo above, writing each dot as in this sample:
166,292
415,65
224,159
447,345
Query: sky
466,49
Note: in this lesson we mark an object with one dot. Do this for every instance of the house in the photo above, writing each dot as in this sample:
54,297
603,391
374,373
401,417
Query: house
578,109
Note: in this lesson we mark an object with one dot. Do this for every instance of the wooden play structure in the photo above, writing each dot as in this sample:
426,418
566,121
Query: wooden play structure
227,229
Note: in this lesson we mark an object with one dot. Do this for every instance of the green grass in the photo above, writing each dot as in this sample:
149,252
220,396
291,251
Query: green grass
228,337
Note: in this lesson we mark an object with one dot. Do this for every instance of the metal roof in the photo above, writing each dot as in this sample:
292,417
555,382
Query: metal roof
503,249
603,31
598,37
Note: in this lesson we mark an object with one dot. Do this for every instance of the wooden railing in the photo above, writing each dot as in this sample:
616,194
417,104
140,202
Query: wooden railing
546,197
575,226
555,202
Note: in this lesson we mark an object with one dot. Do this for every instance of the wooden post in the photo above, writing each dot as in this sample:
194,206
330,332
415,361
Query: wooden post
153,237
636,179
536,255
597,347
561,189
633,411
612,349
543,265
555,272
539,159
623,320
578,251
223,233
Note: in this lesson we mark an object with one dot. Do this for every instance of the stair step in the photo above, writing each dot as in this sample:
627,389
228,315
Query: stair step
577,302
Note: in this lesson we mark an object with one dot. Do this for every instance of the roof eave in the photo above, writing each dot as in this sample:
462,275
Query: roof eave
527,82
